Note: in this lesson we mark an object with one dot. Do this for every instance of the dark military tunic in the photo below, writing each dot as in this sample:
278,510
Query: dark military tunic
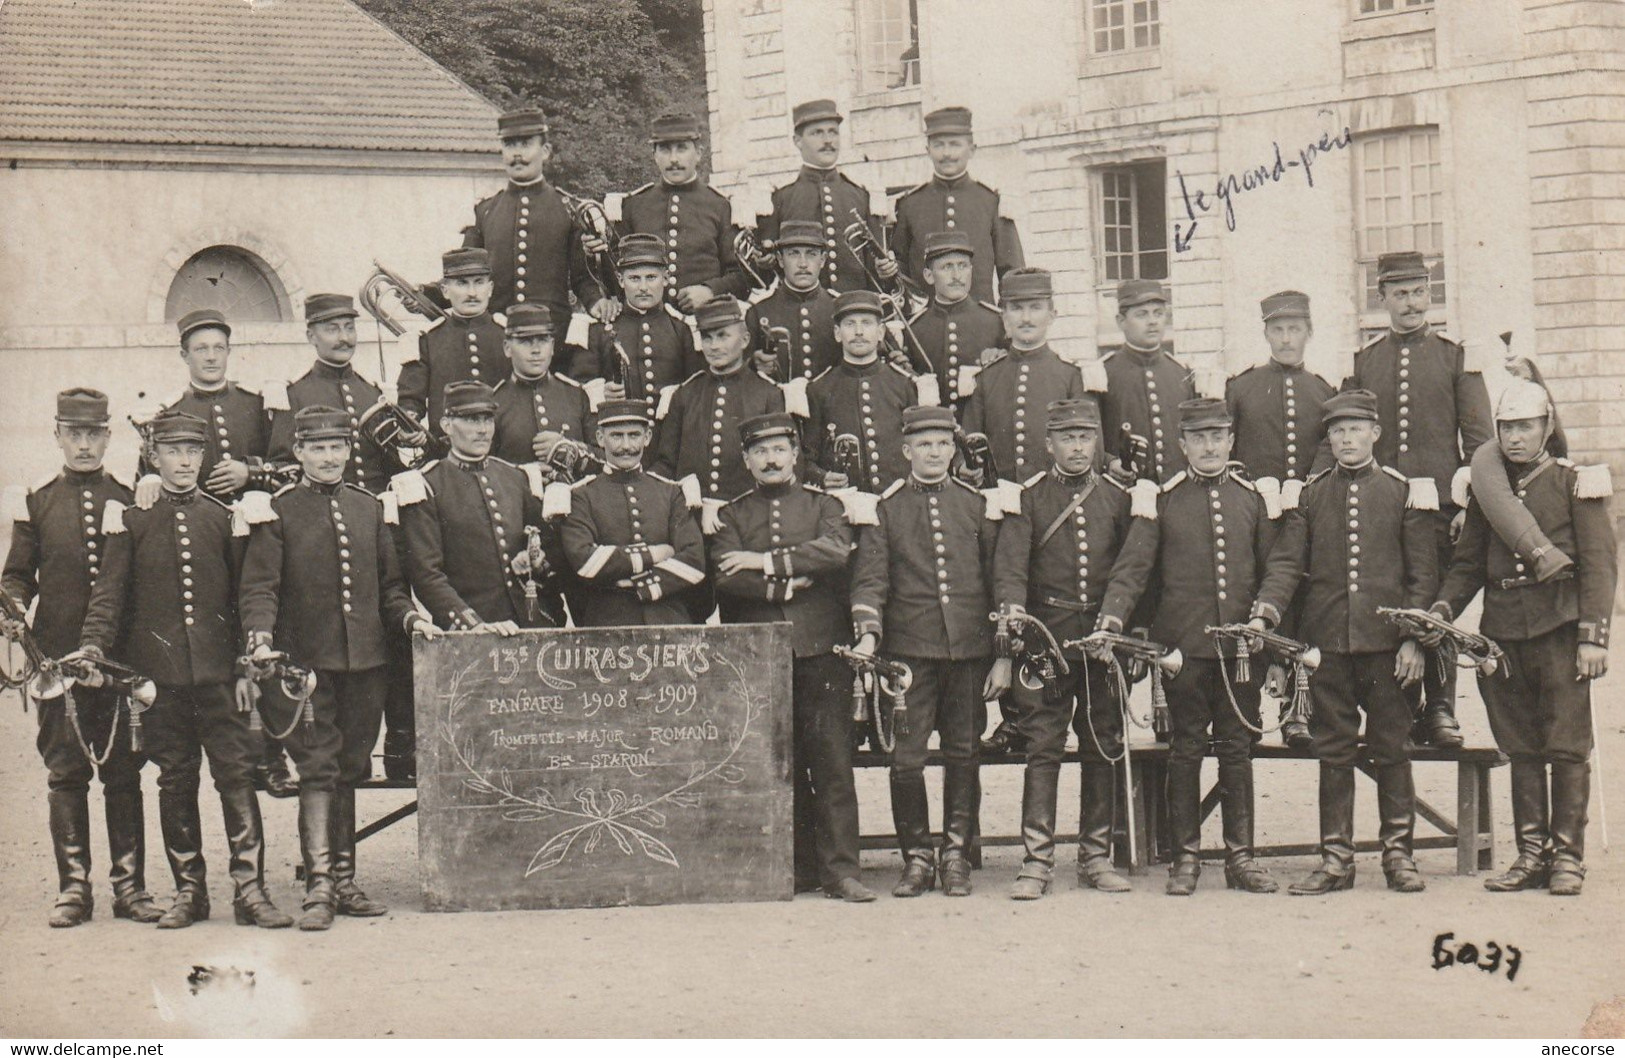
1201,559
964,205
807,534
1276,412
1143,391
696,223
1059,574
1426,397
826,197
953,336
809,316
238,428
527,406
867,402
922,581
333,387
614,519
535,246
659,345
453,349
1009,402
464,523
699,432
58,547
166,601
322,579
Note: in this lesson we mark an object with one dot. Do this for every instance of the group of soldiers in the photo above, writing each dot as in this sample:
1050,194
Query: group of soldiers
909,489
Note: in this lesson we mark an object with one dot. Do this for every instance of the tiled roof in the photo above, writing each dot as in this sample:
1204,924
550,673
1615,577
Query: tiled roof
272,73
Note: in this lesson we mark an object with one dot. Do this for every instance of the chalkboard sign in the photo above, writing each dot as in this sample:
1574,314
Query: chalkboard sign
604,766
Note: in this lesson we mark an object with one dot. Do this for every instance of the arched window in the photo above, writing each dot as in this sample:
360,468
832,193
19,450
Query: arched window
231,279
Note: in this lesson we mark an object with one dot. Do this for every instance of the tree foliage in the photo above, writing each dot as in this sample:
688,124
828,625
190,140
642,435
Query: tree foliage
601,69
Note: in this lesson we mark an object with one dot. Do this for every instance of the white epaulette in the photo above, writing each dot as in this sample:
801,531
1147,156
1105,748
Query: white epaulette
578,330
615,200
1593,482
1209,382
893,487
1035,479
1002,499
392,507
1093,371
255,507
498,318
1269,490
276,394
113,518
533,475
795,397
1143,499
437,322
927,390
691,491
666,395
410,486
556,500
1423,495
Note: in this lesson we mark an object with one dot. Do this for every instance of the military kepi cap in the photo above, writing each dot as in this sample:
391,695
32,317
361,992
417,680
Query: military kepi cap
764,427
200,318
719,312
640,248
1203,413
318,422
1069,414
322,307
1351,404
856,301
800,233
469,397
814,110
1285,304
612,412
1132,292
174,427
466,261
945,242
948,121
525,320
674,127
1025,284
1405,265
81,407
920,417
525,121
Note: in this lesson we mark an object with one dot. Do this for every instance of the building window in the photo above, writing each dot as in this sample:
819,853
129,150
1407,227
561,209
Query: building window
1385,7
231,279
1399,203
1133,221
1124,25
888,44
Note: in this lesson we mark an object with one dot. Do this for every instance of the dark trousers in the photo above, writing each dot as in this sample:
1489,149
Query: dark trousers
826,800
400,716
337,748
946,697
1438,685
186,722
1086,700
1342,686
68,769
1538,711
69,774
1199,703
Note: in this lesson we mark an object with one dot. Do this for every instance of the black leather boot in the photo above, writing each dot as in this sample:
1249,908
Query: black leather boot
1571,795
1006,738
1038,806
245,836
351,900
272,774
912,820
1295,734
400,753
1437,726
959,786
127,849
1241,870
183,845
69,812
1184,826
315,846
1396,811
1531,825
1336,870
1098,795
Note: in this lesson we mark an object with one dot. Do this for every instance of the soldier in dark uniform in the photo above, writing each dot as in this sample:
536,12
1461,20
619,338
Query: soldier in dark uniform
921,593
629,534
1053,559
534,238
465,519
57,550
955,328
822,194
1201,554
693,220
864,396
951,201
1554,632
465,343
1360,538
781,555
799,305
1276,409
536,406
1029,376
1434,415
698,429
166,605
658,345
321,584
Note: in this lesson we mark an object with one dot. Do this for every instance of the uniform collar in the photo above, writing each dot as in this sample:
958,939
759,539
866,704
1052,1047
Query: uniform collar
1141,354
530,383
322,369
322,488
1022,354
677,189
801,295
1359,471
950,183
1206,479
723,376
83,477
179,499
1405,336
1070,481
466,321
473,466
1286,369
1522,472
927,486
862,369
778,492
948,308
209,394
820,176
535,185
630,472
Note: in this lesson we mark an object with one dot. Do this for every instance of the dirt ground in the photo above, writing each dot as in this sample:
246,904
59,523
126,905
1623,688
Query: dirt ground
1074,964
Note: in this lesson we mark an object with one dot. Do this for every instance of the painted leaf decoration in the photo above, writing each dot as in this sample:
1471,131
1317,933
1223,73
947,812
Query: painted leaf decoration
619,834
731,773
684,800
587,797
649,817
656,849
552,854
524,815
593,841
617,802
